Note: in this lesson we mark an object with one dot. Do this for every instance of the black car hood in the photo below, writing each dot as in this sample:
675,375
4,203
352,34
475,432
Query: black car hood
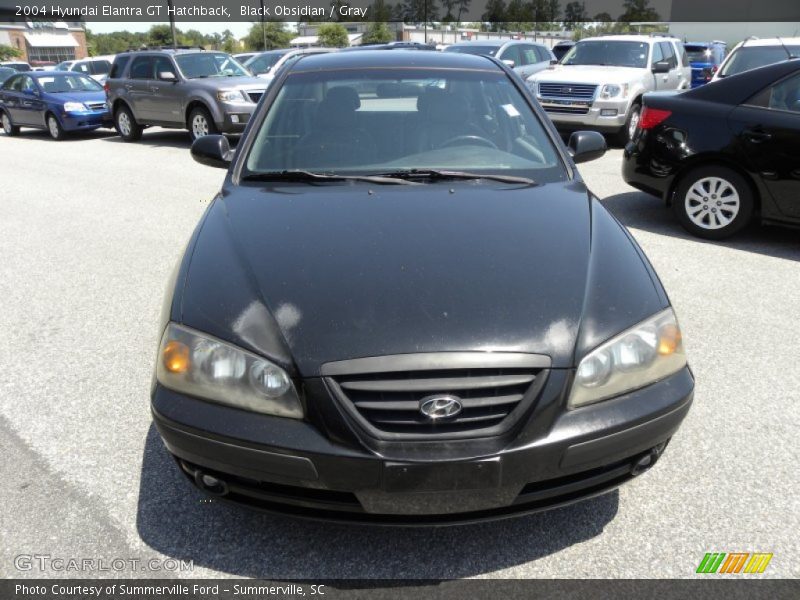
320,273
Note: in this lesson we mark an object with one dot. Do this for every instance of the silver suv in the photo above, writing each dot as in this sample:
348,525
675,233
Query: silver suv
600,82
526,58
202,91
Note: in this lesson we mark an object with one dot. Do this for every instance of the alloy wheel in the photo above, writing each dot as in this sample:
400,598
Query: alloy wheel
199,126
52,125
634,123
712,203
6,124
124,123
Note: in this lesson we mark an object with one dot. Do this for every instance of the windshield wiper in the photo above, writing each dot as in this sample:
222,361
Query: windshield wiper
437,174
300,175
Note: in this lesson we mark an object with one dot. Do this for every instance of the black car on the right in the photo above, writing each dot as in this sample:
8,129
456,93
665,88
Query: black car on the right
724,153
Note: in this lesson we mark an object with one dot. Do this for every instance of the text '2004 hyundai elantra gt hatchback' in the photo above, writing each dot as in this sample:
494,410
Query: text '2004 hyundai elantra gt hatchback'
405,307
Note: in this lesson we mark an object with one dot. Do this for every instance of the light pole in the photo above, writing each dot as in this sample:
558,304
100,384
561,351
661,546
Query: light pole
263,28
172,23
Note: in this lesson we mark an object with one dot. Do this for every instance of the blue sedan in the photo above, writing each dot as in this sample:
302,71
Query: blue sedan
56,101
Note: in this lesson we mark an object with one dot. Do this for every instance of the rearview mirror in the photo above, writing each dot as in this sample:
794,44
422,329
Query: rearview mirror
167,76
213,151
509,63
661,66
584,146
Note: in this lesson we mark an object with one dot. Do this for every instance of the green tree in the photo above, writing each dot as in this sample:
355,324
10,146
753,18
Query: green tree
638,10
333,35
495,12
574,12
275,33
160,35
380,10
378,33
7,52
229,43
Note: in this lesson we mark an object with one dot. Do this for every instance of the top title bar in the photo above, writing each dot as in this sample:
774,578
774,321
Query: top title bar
412,11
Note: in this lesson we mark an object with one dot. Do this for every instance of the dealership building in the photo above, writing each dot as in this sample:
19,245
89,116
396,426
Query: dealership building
45,42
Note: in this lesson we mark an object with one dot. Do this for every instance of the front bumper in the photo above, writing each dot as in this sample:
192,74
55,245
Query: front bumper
602,115
85,121
292,467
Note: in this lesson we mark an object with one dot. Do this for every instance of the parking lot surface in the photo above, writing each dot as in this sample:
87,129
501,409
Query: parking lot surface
89,231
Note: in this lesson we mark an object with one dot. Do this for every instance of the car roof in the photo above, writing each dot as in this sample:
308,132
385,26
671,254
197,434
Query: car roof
394,59
629,38
714,43
788,41
496,43
735,89
37,74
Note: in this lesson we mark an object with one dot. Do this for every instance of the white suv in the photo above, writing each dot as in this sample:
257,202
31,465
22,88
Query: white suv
753,53
599,83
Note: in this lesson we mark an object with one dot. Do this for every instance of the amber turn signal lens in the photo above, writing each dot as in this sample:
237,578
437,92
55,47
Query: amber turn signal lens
669,338
176,357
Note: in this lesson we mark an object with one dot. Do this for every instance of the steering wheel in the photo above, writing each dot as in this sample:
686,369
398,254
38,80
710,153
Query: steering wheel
469,140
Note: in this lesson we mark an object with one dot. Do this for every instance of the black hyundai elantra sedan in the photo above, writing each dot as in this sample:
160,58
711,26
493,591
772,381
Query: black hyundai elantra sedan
725,153
405,307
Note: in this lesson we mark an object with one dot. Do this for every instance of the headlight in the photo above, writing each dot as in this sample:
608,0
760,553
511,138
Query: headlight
635,358
75,107
199,365
231,96
613,90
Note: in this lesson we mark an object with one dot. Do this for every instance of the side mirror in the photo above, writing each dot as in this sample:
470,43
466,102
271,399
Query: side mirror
553,61
167,76
661,66
509,63
584,146
213,151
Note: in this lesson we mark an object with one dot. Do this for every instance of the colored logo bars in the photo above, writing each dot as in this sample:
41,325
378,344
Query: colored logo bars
734,562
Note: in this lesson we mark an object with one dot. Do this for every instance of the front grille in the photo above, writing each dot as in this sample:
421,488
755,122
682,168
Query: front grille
390,402
255,96
567,110
96,106
578,91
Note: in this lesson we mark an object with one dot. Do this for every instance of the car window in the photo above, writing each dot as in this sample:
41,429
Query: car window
684,58
669,54
751,57
385,120
209,64
64,84
513,53
607,52
13,84
119,66
28,85
474,49
701,54
530,55
163,65
264,62
100,67
658,54
81,67
142,67
784,95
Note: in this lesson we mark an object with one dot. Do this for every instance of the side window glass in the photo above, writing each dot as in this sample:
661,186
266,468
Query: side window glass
658,55
16,84
512,53
100,67
530,55
28,85
119,66
81,67
164,65
669,56
142,68
784,95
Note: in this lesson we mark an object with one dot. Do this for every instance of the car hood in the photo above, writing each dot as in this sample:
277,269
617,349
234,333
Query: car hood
307,275
77,97
588,74
224,83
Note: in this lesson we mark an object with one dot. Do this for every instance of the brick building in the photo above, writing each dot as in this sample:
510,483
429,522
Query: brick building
45,42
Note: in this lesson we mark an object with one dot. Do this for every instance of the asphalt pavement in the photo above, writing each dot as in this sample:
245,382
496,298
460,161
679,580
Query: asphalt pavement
89,231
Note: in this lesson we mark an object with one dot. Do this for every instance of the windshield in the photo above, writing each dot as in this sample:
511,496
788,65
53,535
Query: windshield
607,52
474,49
752,57
59,84
383,121
262,63
209,64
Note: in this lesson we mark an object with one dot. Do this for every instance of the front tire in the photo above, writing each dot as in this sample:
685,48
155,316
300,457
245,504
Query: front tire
631,123
127,127
9,127
713,202
201,123
54,128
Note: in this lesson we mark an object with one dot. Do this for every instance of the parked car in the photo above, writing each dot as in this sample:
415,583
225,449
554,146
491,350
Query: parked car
204,92
97,67
753,53
19,66
561,48
6,72
410,308
723,154
243,57
266,64
705,59
526,58
600,82
56,101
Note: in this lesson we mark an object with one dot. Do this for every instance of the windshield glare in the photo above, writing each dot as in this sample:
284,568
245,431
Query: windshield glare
603,52
59,84
384,121
262,63
752,57
700,54
209,64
